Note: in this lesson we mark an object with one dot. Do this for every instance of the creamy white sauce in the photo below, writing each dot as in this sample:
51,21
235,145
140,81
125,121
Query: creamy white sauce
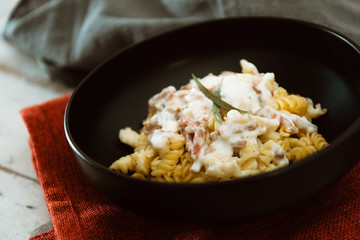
173,108
188,110
247,91
303,124
248,67
159,139
238,91
239,128
198,105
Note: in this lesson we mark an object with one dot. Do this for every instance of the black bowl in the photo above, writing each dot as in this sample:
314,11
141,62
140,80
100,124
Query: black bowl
306,58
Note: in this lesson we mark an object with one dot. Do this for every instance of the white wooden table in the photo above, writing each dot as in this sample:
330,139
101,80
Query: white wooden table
23,212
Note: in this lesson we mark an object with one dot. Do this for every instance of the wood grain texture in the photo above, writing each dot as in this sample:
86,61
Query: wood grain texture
23,211
22,206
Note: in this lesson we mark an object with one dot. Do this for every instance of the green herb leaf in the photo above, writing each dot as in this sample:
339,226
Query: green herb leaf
218,90
215,108
216,99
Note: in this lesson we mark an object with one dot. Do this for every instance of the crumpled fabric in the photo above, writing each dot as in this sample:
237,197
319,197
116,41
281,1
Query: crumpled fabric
69,38
79,212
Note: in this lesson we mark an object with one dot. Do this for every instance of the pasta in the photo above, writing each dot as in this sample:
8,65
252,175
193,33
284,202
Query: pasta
190,136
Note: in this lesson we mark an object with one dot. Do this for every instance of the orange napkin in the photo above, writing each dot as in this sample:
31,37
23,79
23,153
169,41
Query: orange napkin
78,212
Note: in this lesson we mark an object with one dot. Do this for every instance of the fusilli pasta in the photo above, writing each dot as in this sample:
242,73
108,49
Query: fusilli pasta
185,141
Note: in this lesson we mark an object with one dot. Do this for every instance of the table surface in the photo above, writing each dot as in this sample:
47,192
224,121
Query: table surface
23,211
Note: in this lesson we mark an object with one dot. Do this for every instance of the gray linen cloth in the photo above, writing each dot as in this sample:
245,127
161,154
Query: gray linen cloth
68,38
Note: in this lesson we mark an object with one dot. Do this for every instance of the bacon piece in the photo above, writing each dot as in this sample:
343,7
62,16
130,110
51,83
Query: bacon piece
214,136
288,124
157,99
194,133
254,87
239,144
251,127
279,153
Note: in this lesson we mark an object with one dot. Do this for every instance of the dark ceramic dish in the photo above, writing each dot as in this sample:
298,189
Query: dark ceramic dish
306,58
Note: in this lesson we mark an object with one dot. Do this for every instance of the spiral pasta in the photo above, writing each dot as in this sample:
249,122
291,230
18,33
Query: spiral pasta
185,141
293,103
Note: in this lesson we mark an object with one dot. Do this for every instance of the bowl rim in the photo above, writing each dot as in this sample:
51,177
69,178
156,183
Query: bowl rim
352,128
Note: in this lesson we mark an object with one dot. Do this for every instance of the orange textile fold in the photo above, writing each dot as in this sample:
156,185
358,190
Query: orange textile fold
78,212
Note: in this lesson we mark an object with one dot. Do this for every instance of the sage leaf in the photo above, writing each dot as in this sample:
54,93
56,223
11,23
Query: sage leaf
216,99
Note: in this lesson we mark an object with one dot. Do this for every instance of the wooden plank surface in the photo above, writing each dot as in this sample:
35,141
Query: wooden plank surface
23,211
